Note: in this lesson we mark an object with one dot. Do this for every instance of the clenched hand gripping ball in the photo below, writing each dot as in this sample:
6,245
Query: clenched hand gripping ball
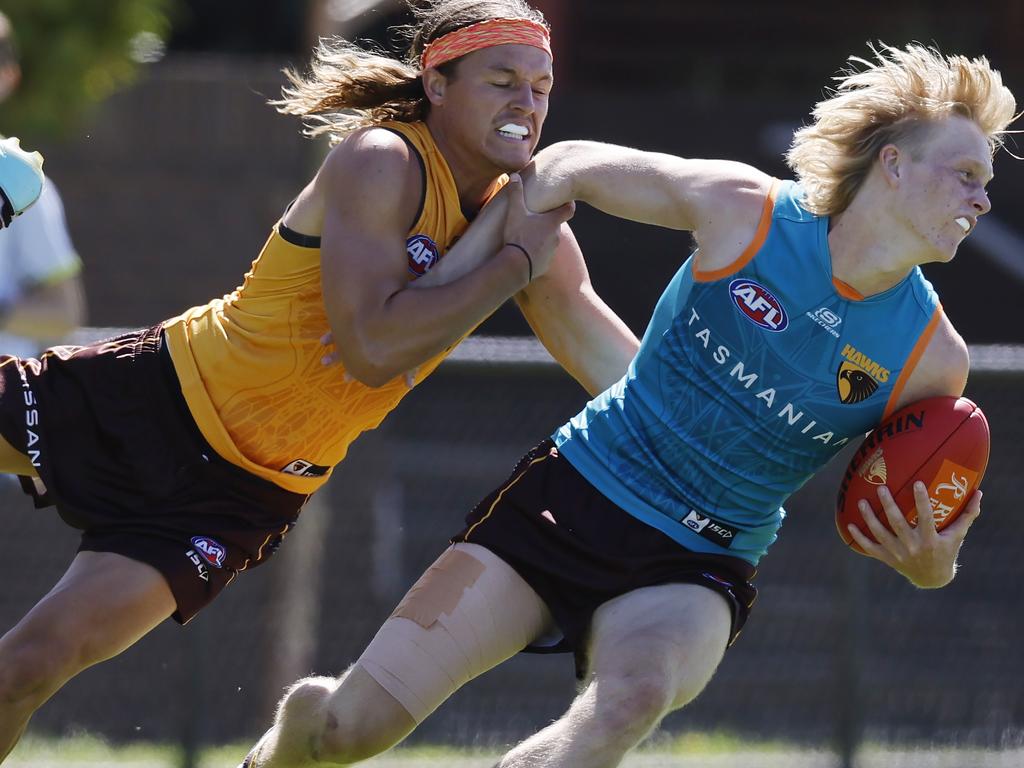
942,441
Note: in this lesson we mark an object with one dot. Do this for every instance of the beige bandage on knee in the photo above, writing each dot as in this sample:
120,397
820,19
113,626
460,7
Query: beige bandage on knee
469,612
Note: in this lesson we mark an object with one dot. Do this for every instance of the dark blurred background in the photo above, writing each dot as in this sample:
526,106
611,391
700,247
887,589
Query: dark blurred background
172,183
173,172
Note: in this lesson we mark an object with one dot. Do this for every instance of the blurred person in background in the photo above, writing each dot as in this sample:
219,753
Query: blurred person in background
41,295
21,180
185,452
630,537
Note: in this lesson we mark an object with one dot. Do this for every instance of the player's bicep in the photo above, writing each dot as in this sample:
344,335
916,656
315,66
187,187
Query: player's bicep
942,368
647,187
370,196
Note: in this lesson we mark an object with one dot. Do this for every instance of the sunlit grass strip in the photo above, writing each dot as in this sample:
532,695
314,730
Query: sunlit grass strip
691,750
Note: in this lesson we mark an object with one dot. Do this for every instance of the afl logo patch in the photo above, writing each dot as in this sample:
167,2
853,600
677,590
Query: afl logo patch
210,550
758,305
423,254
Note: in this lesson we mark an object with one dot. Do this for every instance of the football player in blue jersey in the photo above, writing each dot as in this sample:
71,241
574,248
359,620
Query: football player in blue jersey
630,537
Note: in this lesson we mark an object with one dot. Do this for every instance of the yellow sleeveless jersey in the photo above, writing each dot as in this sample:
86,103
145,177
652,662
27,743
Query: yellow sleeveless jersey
249,363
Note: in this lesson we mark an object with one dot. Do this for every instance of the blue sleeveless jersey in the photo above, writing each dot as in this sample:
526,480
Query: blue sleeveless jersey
747,381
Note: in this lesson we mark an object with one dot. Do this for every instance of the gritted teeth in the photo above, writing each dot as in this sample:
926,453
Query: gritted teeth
964,223
511,130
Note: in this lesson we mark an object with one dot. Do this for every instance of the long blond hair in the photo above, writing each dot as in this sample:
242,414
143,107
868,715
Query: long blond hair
888,101
350,87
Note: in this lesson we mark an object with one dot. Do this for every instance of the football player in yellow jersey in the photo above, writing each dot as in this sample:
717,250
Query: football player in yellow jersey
184,452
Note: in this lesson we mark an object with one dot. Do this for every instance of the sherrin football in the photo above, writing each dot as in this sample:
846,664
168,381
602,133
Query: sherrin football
942,441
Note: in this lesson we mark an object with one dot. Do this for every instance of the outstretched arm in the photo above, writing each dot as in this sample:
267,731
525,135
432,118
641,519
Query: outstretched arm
648,187
720,201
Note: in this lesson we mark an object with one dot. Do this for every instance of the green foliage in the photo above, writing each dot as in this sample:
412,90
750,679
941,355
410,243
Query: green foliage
75,53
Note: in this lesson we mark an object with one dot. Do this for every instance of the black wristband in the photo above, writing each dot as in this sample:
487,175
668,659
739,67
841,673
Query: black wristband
529,261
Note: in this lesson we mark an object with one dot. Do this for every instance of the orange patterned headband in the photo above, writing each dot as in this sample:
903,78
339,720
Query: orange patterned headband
485,34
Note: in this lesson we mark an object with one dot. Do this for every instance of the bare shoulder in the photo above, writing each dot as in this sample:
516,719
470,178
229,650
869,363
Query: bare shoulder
943,367
372,174
371,170
948,350
715,192
729,204
371,156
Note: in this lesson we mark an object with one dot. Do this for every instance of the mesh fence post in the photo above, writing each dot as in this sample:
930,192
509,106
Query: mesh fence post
850,718
296,596
195,710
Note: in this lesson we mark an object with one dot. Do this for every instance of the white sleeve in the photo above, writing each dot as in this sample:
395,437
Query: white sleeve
40,249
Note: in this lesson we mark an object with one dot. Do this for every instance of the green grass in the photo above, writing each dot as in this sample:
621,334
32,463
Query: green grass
694,750
713,743
37,752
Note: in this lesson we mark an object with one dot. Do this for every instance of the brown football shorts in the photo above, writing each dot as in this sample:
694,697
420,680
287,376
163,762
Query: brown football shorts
578,550
112,439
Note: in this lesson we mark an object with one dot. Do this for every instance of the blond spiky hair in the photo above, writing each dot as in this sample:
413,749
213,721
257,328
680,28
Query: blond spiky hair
887,101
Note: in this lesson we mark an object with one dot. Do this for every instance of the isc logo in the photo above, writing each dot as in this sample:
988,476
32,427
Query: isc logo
422,252
710,529
758,305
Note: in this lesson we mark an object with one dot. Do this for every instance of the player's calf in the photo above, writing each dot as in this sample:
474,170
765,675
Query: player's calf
626,710
31,671
607,719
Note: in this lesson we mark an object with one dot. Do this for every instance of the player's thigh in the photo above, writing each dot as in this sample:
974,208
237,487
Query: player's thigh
14,462
672,635
103,604
467,613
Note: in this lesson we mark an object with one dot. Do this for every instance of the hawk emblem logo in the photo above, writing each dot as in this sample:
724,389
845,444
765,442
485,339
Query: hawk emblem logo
854,383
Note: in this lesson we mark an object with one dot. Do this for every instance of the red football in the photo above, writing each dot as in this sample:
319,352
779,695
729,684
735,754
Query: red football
942,441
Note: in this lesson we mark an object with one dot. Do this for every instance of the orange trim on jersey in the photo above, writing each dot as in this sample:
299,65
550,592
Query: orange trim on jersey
846,290
502,493
912,361
763,226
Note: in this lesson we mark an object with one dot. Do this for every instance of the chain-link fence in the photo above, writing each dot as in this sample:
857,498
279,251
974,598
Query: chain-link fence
838,649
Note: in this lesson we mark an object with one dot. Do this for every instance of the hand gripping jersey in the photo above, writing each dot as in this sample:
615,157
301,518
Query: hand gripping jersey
249,364
747,381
